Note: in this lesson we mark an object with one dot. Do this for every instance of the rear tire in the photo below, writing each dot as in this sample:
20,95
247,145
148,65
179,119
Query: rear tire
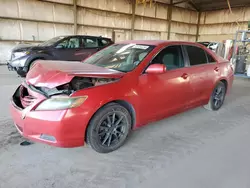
217,97
109,128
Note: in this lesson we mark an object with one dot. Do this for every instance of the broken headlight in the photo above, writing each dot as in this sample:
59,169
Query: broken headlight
20,54
61,103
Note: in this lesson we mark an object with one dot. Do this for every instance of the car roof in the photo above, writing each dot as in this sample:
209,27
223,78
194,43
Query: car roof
84,36
155,42
204,42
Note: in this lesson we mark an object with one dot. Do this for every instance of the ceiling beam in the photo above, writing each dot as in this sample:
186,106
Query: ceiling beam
190,2
179,2
220,4
212,2
223,7
209,5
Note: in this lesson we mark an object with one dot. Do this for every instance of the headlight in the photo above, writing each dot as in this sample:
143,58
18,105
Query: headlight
20,54
61,103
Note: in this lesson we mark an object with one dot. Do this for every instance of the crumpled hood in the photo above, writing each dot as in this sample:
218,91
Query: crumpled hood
51,74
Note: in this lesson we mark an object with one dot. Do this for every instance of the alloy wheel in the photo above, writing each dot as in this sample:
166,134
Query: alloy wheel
112,129
218,96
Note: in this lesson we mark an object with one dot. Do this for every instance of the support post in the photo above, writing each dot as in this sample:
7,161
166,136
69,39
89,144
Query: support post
133,19
75,16
113,35
198,27
170,9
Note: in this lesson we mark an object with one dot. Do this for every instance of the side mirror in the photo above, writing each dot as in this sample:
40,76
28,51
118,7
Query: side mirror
156,69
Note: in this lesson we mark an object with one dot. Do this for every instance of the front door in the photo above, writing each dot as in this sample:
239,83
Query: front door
90,46
167,93
67,49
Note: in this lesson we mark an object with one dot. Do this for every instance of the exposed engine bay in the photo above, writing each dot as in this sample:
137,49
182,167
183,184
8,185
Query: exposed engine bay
77,83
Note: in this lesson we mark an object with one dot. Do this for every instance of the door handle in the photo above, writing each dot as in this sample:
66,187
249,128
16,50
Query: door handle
216,69
185,76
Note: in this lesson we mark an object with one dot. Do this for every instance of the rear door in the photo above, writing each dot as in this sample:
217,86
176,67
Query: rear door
202,70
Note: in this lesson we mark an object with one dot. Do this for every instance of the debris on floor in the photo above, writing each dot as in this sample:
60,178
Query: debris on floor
25,143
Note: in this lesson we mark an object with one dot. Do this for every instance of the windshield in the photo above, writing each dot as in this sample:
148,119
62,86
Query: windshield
120,57
51,41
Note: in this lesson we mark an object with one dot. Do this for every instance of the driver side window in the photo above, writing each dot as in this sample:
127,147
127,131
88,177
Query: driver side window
69,43
171,57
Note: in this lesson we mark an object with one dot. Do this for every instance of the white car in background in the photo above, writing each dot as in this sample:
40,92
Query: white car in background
211,45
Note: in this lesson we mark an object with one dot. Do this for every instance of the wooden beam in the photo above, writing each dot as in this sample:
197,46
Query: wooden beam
54,2
33,20
170,9
133,19
198,27
75,16
21,41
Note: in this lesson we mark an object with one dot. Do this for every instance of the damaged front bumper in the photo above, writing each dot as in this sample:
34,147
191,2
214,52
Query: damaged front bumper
18,65
21,71
60,128
10,67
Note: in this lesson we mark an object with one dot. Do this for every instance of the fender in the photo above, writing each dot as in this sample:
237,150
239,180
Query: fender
38,56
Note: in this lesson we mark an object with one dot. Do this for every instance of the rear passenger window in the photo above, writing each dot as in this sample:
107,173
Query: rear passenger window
171,57
196,55
90,42
210,58
104,42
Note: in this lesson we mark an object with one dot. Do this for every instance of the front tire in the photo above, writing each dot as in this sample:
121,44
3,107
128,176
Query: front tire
217,97
109,128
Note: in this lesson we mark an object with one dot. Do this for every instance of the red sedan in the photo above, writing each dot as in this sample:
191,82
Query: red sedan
120,88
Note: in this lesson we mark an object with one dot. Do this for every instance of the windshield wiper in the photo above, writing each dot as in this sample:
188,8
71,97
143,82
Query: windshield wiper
118,70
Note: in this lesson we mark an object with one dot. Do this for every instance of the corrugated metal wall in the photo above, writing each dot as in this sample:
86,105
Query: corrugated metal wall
222,25
184,24
33,21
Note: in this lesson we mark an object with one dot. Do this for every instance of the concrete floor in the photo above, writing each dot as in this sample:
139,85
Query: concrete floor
196,149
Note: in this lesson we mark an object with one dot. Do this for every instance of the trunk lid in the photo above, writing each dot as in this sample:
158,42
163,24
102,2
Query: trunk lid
51,74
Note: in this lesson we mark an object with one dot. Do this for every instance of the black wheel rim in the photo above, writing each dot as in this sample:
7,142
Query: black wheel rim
112,129
218,96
